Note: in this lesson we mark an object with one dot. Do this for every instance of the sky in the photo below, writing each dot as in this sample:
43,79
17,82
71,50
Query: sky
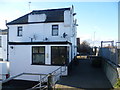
97,21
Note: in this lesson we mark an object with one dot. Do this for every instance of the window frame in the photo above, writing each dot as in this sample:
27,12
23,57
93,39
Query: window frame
19,29
53,29
39,54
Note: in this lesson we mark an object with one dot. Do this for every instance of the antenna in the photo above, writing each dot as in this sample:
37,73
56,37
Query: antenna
29,5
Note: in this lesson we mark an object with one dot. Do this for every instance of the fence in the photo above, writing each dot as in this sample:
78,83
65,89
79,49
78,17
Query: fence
110,54
111,63
46,80
51,78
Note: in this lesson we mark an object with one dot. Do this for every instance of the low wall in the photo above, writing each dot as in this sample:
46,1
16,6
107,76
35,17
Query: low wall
0,85
111,71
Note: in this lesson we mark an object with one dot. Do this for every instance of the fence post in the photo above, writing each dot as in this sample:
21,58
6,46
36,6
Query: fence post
50,81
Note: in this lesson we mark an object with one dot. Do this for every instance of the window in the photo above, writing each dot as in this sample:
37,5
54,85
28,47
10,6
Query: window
19,31
0,41
59,55
38,55
54,30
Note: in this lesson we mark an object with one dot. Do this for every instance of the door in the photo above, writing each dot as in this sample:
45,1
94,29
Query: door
59,55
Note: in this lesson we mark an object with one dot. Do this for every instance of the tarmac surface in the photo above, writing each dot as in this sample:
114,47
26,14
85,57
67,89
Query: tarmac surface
18,85
85,76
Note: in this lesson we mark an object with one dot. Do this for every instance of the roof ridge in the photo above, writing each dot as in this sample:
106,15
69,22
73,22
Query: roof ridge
52,9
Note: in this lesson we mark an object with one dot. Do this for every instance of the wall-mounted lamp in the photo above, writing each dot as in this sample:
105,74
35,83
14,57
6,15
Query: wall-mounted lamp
11,47
74,14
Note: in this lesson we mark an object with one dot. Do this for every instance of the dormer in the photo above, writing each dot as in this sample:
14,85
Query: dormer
37,18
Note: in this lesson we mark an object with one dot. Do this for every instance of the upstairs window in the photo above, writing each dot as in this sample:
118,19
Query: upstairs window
54,30
19,31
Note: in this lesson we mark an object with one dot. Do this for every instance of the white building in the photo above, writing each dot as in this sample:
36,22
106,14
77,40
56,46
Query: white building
3,54
41,41
3,45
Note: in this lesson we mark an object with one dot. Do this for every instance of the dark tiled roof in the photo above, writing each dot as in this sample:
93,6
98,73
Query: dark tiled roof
53,15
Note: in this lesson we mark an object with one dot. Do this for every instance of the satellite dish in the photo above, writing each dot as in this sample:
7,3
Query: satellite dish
64,35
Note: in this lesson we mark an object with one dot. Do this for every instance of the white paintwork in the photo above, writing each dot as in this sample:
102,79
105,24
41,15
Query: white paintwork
3,49
4,69
20,56
40,31
36,18
67,18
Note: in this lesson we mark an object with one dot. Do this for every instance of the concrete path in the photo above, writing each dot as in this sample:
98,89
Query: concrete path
84,76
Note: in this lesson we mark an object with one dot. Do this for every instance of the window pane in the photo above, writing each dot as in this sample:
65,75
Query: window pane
54,30
38,55
59,55
35,50
19,31
41,50
55,26
36,58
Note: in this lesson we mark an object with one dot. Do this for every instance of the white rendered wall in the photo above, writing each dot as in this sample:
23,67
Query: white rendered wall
3,49
20,58
1,53
37,18
40,31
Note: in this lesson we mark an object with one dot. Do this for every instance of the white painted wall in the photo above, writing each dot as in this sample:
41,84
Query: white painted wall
36,18
1,53
3,49
41,31
4,69
20,58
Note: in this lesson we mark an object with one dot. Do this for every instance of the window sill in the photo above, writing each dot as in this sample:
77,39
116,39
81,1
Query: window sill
50,64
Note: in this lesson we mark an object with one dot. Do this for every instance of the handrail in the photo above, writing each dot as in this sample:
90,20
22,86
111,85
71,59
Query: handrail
46,76
20,75
34,74
11,78
38,83
58,69
43,79
57,75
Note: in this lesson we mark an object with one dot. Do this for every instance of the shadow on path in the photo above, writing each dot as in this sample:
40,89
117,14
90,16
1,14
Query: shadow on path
84,76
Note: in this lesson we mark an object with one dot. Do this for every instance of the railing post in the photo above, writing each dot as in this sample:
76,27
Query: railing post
50,81
40,82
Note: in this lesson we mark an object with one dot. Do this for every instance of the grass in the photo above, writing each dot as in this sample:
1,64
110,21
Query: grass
117,85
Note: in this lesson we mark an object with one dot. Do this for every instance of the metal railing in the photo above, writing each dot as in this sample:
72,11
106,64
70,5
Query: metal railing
58,73
50,79
45,80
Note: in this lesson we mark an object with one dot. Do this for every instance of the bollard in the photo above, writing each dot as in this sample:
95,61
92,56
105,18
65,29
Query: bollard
50,81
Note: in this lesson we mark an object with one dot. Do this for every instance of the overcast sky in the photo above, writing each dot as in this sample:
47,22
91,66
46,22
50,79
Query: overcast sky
98,21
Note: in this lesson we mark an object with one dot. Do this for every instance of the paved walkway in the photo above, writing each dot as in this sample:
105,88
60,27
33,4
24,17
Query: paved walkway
84,76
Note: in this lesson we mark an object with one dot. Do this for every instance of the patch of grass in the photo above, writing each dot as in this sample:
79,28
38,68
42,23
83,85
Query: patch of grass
117,85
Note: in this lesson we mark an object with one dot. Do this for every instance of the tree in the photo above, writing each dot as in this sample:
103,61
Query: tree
85,48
